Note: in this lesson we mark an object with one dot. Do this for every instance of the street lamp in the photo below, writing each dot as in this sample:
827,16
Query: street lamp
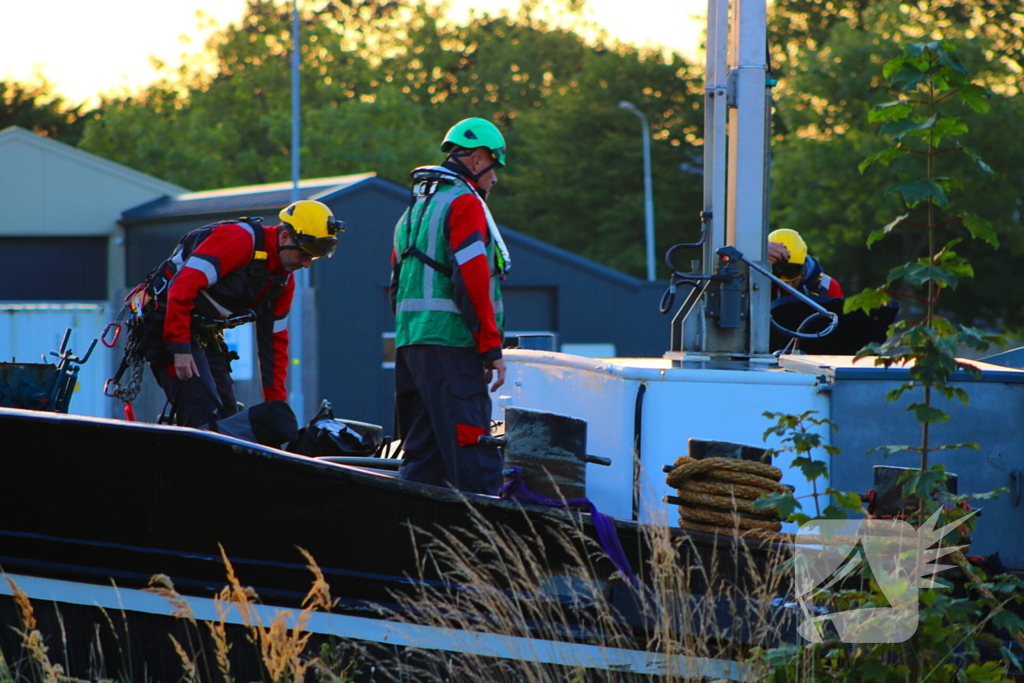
648,198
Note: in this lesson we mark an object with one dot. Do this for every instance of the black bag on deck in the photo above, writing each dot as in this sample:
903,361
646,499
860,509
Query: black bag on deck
271,424
327,435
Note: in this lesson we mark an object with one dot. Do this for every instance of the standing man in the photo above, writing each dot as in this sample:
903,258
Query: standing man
447,262
219,276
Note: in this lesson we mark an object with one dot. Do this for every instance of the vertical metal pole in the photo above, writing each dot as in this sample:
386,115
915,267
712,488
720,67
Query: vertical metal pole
648,200
296,370
295,100
645,131
748,144
715,122
699,334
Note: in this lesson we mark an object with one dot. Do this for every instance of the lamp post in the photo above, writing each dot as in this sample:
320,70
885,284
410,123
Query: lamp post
297,326
648,197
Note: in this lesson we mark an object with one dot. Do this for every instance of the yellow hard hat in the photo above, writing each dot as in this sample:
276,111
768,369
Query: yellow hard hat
313,226
792,240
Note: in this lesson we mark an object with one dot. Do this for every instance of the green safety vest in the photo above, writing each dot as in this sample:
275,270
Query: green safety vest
426,311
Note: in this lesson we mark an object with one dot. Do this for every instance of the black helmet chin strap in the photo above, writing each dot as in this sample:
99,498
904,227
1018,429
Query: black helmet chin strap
287,228
287,247
453,163
455,158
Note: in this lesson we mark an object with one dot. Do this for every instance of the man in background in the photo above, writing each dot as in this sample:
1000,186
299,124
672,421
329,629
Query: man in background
787,252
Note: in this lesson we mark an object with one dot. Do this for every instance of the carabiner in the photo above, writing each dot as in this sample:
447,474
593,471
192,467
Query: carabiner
117,334
107,391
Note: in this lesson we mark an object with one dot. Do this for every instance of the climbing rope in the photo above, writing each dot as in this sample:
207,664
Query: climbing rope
718,494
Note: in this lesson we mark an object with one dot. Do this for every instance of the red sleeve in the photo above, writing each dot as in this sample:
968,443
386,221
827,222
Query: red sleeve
468,237
227,248
274,355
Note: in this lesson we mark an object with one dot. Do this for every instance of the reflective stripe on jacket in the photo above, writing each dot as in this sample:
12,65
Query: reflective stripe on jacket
222,270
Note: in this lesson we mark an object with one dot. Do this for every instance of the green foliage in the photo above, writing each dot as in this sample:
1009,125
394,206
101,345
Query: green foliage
926,75
33,106
801,435
833,98
952,628
380,84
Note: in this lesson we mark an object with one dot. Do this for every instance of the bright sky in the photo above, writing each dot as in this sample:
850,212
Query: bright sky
85,48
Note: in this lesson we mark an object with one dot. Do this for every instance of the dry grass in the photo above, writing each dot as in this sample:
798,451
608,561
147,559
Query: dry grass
32,640
280,645
698,606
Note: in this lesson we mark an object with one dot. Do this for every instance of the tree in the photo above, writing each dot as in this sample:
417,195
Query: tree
33,107
382,82
822,112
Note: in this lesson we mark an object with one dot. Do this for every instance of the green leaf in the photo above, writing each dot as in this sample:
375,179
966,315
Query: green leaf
883,157
949,58
991,671
923,483
866,301
849,500
811,468
948,184
975,97
1010,657
885,230
977,338
981,229
891,450
957,446
890,111
977,160
907,78
950,125
1008,620
917,274
785,502
805,441
955,264
799,518
897,129
926,414
917,191
893,66
918,49
945,127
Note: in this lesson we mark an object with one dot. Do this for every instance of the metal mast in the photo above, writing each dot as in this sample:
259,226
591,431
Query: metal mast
732,317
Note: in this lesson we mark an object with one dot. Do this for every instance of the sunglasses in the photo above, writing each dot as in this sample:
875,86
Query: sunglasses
788,271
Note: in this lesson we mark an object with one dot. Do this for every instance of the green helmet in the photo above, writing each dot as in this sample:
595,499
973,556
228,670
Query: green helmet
473,133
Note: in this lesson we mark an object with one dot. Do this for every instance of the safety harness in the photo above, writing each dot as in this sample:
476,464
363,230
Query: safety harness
143,315
428,178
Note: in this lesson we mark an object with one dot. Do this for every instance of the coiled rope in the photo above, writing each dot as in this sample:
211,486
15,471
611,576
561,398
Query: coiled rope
718,495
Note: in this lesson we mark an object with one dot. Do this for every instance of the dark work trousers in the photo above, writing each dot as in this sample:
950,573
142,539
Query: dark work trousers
198,400
441,407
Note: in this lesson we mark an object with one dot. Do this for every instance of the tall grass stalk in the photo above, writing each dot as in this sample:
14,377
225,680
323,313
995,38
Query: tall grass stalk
279,648
698,606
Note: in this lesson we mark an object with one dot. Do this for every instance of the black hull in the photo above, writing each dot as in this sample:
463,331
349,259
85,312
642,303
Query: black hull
87,502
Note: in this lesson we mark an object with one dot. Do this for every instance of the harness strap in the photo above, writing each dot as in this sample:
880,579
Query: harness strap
439,267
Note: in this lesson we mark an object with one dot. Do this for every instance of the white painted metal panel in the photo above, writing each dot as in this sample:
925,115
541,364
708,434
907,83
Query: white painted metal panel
29,332
678,404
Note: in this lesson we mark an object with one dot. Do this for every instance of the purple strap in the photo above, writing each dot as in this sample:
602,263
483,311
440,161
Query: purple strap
516,489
